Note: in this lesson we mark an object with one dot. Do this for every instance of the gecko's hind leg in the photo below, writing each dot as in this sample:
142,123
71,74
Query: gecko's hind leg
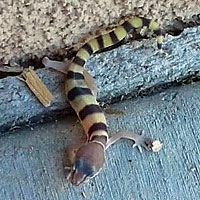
57,65
63,68
139,141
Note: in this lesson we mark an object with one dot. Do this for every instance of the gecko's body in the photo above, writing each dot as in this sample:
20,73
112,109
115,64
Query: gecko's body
90,156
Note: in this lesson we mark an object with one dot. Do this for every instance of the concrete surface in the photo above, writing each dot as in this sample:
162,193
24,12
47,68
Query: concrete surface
31,160
128,69
34,28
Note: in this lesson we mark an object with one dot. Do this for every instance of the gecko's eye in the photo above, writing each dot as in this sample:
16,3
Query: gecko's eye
84,167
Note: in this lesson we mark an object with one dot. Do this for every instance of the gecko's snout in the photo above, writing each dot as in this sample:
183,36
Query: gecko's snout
82,172
89,161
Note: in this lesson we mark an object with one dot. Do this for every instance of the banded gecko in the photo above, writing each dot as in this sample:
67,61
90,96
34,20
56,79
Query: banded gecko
88,159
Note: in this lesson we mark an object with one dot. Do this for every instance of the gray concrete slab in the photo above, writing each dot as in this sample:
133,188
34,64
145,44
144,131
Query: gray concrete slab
128,69
31,160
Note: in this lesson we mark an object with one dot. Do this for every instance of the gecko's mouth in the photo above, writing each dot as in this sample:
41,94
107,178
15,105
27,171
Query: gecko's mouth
81,172
72,178
77,178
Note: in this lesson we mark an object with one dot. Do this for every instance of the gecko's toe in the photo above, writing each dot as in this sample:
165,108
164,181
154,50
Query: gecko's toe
138,146
147,143
144,142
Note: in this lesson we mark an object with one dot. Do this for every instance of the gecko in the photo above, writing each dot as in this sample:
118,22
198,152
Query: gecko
87,159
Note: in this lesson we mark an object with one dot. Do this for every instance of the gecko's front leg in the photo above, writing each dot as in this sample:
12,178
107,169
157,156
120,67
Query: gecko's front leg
71,155
139,141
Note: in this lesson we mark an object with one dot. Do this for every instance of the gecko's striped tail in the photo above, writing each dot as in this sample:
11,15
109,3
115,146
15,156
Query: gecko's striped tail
115,36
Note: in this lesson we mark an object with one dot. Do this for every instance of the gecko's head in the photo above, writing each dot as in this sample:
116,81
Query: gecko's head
88,162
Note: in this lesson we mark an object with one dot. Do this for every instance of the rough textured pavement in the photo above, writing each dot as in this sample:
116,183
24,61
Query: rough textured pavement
31,160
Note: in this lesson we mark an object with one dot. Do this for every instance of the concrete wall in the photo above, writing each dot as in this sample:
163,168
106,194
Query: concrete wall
34,28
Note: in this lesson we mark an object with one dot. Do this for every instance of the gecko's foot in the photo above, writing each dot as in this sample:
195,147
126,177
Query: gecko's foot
67,170
56,65
147,143
139,140
68,160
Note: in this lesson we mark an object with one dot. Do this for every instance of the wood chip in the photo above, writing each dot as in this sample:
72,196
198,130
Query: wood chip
36,86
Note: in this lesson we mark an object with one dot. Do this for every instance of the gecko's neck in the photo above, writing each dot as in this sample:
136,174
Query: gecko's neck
102,140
